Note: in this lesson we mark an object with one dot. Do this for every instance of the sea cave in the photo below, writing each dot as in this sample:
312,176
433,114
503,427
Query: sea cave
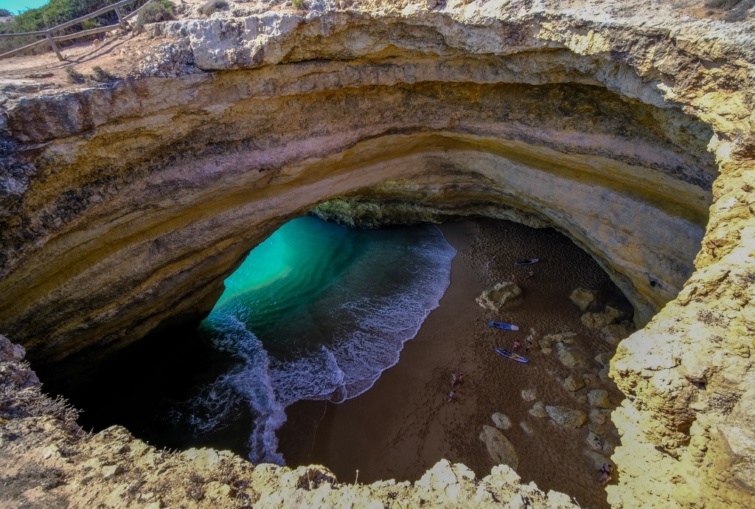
126,205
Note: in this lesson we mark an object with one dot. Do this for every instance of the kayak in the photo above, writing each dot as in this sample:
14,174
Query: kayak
513,356
527,262
504,326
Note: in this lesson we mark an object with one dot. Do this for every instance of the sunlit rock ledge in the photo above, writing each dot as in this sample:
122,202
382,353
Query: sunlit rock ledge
124,207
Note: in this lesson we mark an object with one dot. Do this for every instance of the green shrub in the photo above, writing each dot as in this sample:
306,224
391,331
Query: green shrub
212,6
299,4
162,10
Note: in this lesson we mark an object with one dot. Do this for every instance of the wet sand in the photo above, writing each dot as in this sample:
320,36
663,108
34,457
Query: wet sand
404,424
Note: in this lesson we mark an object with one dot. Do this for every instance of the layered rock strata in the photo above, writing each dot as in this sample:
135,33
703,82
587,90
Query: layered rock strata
124,207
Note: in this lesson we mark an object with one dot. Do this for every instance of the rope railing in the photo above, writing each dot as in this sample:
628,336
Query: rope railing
50,39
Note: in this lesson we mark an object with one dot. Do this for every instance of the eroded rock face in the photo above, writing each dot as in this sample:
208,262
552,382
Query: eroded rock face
125,207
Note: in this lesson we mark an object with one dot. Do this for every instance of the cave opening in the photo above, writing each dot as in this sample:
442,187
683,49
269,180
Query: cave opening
294,365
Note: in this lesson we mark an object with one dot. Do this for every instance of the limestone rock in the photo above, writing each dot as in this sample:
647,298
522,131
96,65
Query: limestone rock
609,316
529,394
584,298
501,421
597,459
526,427
566,417
571,357
500,296
594,441
603,358
538,410
548,341
500,449
614,333
598,398
10,351
573,383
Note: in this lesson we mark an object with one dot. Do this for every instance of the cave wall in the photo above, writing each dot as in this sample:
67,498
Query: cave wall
126,206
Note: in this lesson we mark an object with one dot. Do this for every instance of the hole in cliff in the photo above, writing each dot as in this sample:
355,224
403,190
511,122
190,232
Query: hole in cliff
323,310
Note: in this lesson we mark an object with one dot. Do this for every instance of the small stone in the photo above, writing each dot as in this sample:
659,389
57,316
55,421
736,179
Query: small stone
529,394
154,505
598,398
573,383
566,417
538,410
501,421
583,298
526,427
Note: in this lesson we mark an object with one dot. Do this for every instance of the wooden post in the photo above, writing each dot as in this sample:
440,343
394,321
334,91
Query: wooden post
54,46
120,19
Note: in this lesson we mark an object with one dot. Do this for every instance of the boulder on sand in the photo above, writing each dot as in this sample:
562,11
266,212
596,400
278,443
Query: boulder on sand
500,296
583,298
566,417
571,357
501,421
500,449
610,315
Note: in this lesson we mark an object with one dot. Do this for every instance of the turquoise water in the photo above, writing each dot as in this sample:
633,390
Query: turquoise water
318,311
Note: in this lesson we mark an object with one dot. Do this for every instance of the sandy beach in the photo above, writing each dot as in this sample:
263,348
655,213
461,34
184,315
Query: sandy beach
404,424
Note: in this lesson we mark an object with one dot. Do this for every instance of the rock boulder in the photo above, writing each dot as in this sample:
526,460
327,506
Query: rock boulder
500,449
503,295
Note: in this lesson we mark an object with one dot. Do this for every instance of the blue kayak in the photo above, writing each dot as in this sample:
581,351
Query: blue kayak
513,356
527,262
504,326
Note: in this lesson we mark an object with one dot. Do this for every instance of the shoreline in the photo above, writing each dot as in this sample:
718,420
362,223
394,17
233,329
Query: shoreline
404,424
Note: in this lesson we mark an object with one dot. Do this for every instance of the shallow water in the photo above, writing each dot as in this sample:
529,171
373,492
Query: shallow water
316,312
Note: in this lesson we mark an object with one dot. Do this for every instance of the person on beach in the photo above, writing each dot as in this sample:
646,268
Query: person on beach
517,344
455,379
451,396
605,474
527,345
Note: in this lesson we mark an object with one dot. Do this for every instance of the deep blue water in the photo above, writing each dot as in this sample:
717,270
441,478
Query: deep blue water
318,311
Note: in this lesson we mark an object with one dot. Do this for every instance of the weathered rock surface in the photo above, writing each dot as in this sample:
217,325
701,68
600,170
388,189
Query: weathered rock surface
573,383
566,417
628,126
571,357
583,298
501,421
609,316
598,398
500,448
500,296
